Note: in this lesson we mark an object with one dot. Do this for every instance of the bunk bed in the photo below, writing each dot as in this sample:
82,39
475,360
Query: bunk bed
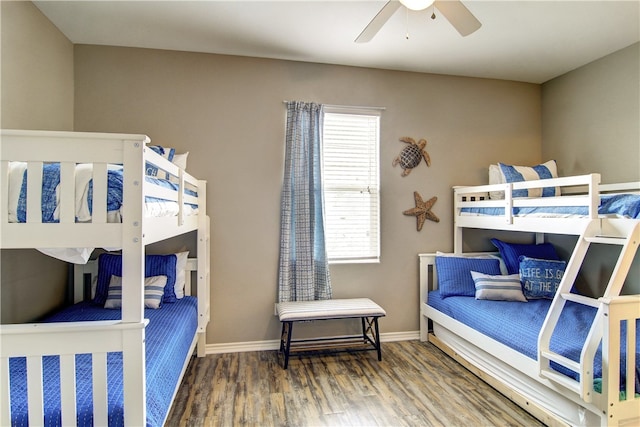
569,359
87,364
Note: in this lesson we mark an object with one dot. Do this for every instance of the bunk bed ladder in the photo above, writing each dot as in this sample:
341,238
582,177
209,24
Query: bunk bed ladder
592,234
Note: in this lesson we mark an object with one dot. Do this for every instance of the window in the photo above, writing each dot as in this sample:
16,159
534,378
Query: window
351,137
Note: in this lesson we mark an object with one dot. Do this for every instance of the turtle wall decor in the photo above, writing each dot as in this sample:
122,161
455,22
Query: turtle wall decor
422,211
412,155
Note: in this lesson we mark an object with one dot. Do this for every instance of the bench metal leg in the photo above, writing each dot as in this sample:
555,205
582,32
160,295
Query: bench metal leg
370,326
285,342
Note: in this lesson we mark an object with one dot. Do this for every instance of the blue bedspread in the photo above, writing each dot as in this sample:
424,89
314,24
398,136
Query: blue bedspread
51,180
517,324
622,205
169,335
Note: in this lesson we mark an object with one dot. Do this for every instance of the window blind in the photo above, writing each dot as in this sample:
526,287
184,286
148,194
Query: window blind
351,185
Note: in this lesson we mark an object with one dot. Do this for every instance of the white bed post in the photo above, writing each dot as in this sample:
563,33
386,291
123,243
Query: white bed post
204,298
133,355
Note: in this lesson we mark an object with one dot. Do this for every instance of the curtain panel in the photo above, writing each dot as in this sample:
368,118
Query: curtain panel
303,273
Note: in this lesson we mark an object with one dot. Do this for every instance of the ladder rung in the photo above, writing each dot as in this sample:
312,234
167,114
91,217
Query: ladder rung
562,379
607,240
581,299
561,360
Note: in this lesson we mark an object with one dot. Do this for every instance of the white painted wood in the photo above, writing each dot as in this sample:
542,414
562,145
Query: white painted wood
100,395
67,192
5,395
68,389
4,193
97,338
34,390
100,189
34,192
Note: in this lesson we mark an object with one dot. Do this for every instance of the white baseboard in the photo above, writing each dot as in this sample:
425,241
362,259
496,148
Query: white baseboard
239,347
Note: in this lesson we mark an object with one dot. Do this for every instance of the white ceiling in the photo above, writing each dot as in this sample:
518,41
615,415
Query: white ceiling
530,41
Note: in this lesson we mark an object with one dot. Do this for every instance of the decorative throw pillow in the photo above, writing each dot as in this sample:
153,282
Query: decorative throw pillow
454,274
540,277
498,288
511,253
155,265
546,170
153,292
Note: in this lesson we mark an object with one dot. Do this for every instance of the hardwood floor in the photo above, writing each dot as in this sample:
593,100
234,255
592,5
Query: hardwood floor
415,384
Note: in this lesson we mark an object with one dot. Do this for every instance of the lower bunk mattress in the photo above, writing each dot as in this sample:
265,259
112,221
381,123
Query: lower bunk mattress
169,336
517,325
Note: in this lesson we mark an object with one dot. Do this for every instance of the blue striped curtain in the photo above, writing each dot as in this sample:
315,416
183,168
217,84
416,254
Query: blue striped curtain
304,270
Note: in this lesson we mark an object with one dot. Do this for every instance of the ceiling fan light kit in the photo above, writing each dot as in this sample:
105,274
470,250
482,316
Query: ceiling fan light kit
417,4
456,13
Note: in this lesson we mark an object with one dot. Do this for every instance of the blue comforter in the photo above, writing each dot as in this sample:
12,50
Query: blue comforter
622,205
169,335
517,324
51,180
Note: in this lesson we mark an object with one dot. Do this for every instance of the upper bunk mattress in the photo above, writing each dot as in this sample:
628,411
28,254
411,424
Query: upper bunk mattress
169,335
517,325
18,179
611,205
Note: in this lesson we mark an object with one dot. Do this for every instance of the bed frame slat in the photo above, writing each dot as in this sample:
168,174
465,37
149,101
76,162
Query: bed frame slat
68,389
67,192
5,396
99,213
34,192
100,400
34,390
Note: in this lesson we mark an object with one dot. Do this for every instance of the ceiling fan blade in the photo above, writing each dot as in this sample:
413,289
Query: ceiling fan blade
459,16
378,21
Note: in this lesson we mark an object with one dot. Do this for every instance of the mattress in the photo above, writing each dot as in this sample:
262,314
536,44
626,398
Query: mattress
517,325
18,179
614,205
169,336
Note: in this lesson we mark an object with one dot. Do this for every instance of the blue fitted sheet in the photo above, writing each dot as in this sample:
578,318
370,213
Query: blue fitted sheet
517,324
621,205
169,335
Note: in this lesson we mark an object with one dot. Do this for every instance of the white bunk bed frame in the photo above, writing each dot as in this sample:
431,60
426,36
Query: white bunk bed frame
127,335
551,397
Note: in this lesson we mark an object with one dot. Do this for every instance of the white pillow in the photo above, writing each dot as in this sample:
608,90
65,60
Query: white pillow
498,288
180,160
153,292
495,177
181,274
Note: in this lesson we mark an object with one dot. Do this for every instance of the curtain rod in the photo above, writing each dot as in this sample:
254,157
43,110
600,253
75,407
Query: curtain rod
355,107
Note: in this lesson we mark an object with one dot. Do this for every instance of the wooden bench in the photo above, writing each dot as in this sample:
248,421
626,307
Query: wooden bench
299,311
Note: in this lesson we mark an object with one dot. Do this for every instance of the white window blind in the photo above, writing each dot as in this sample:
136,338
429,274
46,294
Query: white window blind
351,182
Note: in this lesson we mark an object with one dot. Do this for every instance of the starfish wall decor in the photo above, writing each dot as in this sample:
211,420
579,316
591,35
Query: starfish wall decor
422,211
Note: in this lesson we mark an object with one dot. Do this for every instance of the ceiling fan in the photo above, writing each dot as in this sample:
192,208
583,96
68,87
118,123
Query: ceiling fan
456,12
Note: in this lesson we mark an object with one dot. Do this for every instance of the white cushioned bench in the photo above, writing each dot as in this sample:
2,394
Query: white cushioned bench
300,311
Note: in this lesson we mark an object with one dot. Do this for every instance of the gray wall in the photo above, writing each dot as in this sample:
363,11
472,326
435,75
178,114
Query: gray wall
228,112
37,93
591,123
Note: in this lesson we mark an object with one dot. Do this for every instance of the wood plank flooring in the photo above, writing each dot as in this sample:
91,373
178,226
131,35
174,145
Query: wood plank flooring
415,384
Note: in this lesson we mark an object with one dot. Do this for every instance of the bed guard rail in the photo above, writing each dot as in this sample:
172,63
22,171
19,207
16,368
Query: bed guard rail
37,340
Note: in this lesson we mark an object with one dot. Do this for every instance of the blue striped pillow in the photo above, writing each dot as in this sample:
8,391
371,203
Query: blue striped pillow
155,265
153,292
545,170
498,288
454,274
